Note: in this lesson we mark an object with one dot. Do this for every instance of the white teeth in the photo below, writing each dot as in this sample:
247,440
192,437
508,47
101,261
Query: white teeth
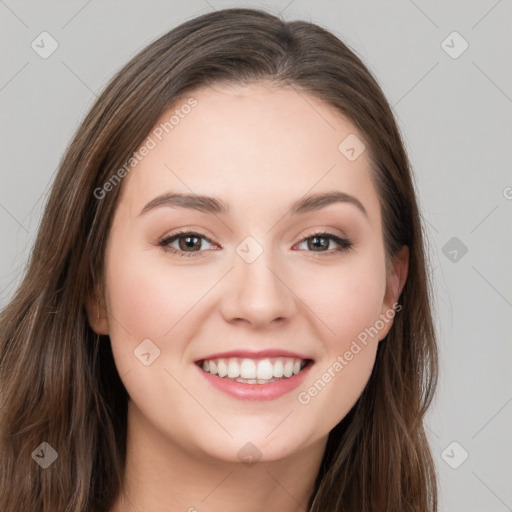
222,368
265,370
288,369
251,371
278,368
233,369
248,369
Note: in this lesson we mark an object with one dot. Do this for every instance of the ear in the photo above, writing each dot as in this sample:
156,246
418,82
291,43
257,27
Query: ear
97,311
394,286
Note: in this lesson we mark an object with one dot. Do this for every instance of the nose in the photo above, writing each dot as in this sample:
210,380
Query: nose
258,293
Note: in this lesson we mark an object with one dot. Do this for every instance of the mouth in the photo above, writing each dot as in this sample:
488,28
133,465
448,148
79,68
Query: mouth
260,371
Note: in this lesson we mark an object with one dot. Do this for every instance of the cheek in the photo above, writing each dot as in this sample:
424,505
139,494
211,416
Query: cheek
348,305
347,300
146,301
148,298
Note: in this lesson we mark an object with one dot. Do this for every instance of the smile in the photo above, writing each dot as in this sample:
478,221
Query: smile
254,378
254,371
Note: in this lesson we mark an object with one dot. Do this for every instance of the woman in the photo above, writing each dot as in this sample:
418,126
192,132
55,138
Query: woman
227,305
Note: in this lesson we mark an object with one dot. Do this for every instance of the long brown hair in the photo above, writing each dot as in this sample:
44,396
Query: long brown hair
58,380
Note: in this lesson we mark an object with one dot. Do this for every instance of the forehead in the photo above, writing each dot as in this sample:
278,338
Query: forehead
251,144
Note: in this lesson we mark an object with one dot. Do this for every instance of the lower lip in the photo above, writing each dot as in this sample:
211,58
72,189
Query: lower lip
243,391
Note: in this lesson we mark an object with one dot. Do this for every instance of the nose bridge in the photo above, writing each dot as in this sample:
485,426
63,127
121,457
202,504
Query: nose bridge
257,292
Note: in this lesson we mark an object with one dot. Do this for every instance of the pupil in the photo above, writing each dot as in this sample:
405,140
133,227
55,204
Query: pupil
316,244
191,245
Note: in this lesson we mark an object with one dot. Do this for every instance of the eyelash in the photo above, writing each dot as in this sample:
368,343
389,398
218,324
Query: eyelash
345,244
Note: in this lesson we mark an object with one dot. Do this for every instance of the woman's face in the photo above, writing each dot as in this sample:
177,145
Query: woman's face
251,289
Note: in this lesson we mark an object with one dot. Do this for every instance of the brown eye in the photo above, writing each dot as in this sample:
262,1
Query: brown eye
321,243
189,243
318,242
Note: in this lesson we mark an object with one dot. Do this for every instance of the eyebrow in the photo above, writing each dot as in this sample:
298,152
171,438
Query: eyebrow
214,205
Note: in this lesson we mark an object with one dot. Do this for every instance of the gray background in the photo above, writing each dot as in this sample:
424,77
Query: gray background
455,117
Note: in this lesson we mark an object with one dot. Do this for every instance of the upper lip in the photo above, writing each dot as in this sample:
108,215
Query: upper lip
255,354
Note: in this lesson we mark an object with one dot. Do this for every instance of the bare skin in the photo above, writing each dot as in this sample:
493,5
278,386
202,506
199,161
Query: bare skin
259,148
